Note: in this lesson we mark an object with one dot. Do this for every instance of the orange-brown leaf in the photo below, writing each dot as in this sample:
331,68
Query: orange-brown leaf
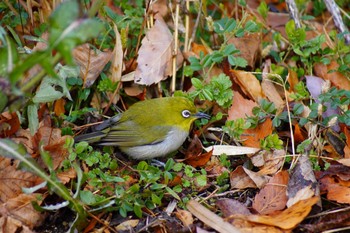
273,196
252,137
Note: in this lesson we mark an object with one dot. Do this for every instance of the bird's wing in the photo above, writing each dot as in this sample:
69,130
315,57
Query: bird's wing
127,134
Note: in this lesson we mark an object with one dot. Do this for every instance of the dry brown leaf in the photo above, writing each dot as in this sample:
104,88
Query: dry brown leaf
134,89
337,190
249,84
245,226
273,162
252,137
269,88
337,79
13,225
53,143
273,196
240,180
299,135
194,155
59,107
302,184
12,180
259,180
346,132
9,124
91,62
286,219
160,7
155,55
210,218
117,64
292,79
20,208
25,138
185,217
197,48
289,218
67,175
230,206
249,46
241,107
127,225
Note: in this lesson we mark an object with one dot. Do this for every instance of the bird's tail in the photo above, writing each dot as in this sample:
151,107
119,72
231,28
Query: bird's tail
90,137
101,131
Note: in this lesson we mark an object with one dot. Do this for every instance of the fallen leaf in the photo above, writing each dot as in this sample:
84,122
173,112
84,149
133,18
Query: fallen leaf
127,225
9,124
252,137
185,217
91,62
292,79
299,135
231,206
249,84
302,184
12,180
249,46
259,180
21,208
240,180
155,55
336,78
273,196
241,107
273,162
118,55
210,218
286,219
337,190
59,107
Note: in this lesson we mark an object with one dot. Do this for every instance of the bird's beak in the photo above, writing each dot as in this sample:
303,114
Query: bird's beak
201,115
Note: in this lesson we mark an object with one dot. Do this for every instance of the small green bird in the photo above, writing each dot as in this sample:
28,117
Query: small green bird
148,129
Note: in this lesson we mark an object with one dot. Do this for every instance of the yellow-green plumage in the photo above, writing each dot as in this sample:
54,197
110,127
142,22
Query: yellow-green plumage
148,129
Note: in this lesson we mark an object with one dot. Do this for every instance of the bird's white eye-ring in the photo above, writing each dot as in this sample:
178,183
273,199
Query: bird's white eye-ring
186,113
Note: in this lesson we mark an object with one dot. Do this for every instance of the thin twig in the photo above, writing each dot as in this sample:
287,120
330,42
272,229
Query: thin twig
176,35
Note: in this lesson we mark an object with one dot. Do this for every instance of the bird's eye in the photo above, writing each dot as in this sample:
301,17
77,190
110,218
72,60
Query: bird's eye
186,113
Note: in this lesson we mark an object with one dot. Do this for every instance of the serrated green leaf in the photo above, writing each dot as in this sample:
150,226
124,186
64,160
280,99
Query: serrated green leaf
196,83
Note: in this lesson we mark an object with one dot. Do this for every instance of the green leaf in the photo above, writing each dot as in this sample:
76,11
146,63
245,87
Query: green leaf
172,193
87,197
47,159
8,55
81,146
298,108
196,83
156,199
230,49
201,180
177,167
33,118
263,9
138,210
47,92
3,101
251,27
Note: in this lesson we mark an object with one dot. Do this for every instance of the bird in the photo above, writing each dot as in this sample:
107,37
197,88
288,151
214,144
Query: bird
148,129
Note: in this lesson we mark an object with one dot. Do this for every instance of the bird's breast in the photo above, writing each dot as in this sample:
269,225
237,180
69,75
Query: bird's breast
174,139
